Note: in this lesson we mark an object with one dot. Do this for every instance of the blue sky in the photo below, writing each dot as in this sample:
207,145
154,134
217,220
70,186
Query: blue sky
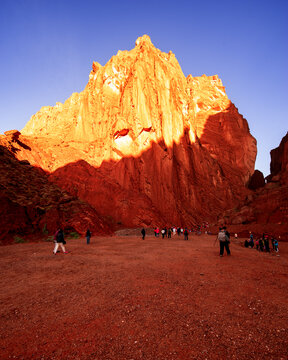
47,49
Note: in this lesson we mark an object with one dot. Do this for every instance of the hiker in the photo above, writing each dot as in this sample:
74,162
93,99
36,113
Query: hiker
251,240
163,233
143,232
60,241
169,233
88,236
276,245
257,244
185,234
157,231
261,244
266,243
223,241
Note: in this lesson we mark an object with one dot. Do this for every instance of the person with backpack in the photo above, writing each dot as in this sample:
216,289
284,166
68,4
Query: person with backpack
223,241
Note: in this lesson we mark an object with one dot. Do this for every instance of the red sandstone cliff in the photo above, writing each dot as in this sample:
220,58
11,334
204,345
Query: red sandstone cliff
143,144
266,208
33,206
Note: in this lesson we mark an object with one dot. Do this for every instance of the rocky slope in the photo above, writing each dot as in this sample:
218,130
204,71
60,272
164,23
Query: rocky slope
144,144
33,206
266,208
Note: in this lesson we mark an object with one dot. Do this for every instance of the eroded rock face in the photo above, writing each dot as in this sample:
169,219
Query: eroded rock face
144,144
279,162
256,181
33,206
265,209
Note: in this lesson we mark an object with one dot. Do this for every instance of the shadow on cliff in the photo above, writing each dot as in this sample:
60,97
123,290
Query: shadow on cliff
184,184
33,208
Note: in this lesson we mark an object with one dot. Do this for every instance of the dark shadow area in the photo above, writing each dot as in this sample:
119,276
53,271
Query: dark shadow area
185,184
33,207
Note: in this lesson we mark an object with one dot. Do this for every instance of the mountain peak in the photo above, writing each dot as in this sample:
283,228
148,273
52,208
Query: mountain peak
145,39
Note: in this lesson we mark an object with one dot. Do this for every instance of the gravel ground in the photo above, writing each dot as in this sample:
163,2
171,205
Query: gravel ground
125,298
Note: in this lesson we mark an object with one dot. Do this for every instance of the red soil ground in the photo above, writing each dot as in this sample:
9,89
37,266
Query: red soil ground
125,298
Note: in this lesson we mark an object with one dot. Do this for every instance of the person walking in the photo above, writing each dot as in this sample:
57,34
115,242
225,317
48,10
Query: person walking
223,241
60,242
143,232
88,236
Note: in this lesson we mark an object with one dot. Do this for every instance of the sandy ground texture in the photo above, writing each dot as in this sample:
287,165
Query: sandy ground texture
125,298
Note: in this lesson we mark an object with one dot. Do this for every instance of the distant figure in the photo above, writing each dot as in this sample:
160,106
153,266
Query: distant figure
266,243
169,233
251,240
88,236
143,232
236,236
261,244
276,245
157,231
223,242
163,233
257,244
60,241
185,234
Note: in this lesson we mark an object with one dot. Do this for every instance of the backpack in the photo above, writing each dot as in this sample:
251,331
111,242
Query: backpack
222,236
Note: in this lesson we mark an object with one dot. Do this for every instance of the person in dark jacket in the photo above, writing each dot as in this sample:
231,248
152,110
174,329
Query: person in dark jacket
186,234
60,242
88,236
143,232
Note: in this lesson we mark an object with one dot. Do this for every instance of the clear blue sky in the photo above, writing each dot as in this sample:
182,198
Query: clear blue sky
47,48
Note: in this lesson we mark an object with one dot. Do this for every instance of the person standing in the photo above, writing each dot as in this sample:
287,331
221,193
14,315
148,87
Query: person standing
276,245
157,231
143,232
223,241
185,234
88,236
169,233
60,242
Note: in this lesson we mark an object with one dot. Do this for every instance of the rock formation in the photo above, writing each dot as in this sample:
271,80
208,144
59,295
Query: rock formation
266,208
279,163
143,144
33,206
256,181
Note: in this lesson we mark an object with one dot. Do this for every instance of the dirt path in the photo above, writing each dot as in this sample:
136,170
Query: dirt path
124,298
